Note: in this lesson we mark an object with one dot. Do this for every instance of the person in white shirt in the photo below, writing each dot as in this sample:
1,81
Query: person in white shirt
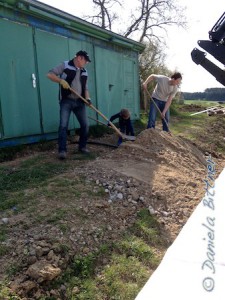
163,94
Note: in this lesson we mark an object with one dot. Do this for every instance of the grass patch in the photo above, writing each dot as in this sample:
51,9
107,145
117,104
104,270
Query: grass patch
10,153
207,132
202,103
7,154
3,233
3,250
187,125
147,228
13,269
56,216
31,173
6,293
116,271
137,247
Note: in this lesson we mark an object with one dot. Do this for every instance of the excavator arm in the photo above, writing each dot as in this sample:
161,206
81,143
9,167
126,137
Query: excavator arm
216,47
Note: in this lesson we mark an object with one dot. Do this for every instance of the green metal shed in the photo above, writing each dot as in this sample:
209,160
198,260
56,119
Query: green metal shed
34,38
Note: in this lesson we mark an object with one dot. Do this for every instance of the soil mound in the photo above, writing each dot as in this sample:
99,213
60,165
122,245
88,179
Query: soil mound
156,147
169,169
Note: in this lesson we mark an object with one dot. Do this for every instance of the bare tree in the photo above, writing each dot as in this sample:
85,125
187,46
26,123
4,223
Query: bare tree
153,16
145,22
105,16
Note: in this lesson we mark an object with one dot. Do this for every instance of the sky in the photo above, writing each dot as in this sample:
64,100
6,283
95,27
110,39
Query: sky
201,16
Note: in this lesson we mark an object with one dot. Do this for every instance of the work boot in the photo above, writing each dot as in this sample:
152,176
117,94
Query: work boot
84,150
62,155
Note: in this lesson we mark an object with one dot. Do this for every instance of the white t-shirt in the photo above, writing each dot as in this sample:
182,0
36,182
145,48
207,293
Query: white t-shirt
163,89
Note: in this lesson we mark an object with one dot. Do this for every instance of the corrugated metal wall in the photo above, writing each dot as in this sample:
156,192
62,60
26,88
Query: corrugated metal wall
29,101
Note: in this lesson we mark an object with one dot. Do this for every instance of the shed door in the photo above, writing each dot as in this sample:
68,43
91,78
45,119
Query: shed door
51,49
18,91
131,87
109,81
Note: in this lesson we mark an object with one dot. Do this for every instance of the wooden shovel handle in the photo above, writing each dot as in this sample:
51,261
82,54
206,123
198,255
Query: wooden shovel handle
98,121
96,110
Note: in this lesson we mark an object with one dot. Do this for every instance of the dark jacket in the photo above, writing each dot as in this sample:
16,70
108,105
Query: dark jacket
70,71
124,124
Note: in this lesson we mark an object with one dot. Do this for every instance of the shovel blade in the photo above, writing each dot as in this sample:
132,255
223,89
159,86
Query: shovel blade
128,137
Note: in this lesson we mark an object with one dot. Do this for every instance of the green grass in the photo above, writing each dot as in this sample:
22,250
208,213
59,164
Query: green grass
3,233
31,173
147,227
183,123
3,250
10,153
117,270
201,102
7,294
129,264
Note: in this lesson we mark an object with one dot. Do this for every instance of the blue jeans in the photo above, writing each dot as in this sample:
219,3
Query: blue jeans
79,109
153,112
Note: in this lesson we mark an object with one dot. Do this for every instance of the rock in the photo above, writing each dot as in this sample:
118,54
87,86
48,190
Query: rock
43,271
192,184
27,286
151,210
31,260
135,195
86,250
120,196
5,220
50,255
165,213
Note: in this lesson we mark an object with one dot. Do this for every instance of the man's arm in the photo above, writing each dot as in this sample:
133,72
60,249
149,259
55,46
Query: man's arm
168,103
87,95
149,79
116,116
53,77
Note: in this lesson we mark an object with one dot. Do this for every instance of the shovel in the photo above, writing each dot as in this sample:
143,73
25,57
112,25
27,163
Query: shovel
102,123
164,119
123,136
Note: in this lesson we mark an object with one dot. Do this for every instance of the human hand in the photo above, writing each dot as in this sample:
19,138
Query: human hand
89,101
163,115
64,84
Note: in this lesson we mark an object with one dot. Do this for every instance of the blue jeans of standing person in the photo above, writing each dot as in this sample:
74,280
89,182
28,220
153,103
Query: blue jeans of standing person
153,112
79,109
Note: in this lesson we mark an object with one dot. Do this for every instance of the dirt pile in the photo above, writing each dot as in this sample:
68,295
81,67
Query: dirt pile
169,170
